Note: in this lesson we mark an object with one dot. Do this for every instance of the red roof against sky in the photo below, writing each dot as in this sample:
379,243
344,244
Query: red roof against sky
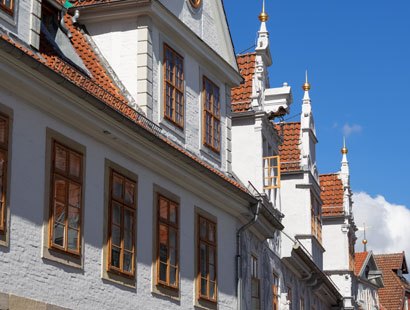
360,258
332,194
391,296
289,150
241,95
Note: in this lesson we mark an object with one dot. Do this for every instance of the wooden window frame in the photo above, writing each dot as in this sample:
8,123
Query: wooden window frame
214,118
209,244
69,179
174,87
316,221
302,304
254,277
270,178
275,291
8,10
195,3
4,151
174,226
124,206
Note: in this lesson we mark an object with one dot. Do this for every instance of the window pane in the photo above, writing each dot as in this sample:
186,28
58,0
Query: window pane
203,229
72,239
211,232
203,261
59,212
211,255
117,187
173,214
255,304
60,189
172,276
73,217
115,257
163,272
116,235
204,287
254,288
128,240
74,195
172,238
60,158
172,257
127,264
129,192
58,237
75,165
212,272
116,214
128,219
212,290
3,124
163,209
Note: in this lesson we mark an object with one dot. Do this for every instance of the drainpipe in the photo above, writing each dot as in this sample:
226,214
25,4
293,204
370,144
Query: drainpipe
239,253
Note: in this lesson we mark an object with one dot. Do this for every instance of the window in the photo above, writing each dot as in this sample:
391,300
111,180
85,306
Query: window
316,218
212,125
7,6
255,283
4,133
271,169
290,297
66,199
275,289
351,252
207,279
121,231
167,272
302,304
173,86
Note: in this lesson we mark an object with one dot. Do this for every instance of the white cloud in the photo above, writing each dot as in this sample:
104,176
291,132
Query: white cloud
348,130
390,229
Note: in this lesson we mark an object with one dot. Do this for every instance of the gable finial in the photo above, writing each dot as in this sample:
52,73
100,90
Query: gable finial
306,86
344,149
263,17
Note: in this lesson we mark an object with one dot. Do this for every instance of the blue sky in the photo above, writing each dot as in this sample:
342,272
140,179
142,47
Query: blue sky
357,54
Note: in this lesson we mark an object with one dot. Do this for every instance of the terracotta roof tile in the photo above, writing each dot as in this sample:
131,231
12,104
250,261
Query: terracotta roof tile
332,194
289,150
391,296
360,258
241,95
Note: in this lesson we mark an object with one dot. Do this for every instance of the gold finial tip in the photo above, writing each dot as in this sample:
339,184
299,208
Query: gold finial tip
344,150
364,241
263,17
306,86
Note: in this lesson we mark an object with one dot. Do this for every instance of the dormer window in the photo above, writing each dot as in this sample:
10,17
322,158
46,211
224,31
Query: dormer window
7,6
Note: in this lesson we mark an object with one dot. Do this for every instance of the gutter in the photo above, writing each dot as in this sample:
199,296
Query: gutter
239,253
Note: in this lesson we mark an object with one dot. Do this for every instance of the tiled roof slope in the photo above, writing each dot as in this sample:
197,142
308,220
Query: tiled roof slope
332,194
391,296
360,258
241,95
92,86
289,150
87,55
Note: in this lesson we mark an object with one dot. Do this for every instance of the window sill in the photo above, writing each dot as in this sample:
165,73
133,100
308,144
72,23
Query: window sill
67,259
166,291
203,303
172,128
119,278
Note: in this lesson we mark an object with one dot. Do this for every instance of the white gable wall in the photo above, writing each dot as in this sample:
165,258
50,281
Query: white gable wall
335,241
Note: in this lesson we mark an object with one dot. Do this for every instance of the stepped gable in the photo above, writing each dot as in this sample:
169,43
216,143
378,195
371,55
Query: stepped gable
332,194
391,296
360,258
241,95
289,150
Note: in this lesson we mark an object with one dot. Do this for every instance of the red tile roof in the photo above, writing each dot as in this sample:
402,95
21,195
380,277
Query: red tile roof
360,258
289,150
241,95
101,87
332,194
391,296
